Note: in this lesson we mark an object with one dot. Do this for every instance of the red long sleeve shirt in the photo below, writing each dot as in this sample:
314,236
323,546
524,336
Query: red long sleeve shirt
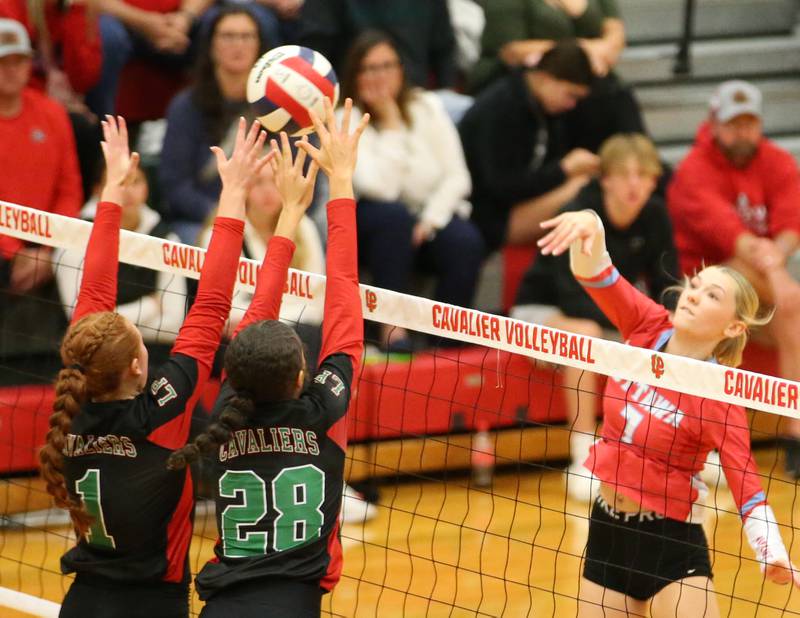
655,440
711,202
75,36
39,162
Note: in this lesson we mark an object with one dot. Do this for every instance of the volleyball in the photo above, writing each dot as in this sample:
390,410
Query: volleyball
286,83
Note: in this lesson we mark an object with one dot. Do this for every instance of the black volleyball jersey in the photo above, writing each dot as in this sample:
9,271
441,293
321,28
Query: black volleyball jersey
115,463
280,478
116,452
279,487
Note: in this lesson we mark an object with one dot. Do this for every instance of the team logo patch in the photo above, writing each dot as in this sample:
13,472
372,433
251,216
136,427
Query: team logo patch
657,366
371,299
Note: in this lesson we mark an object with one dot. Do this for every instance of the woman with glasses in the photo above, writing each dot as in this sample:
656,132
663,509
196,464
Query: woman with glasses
411,182
206,114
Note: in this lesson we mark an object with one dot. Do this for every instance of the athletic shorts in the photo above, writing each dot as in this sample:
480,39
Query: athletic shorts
638,554
266,598
102,598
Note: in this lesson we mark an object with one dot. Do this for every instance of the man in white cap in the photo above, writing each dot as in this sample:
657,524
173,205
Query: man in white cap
735,199
39,169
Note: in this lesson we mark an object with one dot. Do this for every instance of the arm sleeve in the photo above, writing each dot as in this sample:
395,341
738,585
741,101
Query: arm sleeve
81,45
200,334
696,202
732,438
343,324
455,184
99,283
628,309
783,196
177,172
266,303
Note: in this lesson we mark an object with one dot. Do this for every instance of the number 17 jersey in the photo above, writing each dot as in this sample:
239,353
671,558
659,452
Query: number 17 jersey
279,488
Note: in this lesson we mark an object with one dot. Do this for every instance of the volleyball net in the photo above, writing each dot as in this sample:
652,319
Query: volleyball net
463,444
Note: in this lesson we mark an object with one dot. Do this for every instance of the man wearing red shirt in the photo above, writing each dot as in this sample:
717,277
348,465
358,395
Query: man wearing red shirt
38,168
735,198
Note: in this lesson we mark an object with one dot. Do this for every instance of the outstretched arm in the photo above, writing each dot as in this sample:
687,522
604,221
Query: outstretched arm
99,284
583,234
297,192
343,324
200,334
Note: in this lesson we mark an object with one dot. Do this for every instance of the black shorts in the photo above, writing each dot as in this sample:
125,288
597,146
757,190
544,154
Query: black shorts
638,554
266,598
102,598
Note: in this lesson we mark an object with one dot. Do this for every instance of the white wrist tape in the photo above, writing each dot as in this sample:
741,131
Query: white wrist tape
764,536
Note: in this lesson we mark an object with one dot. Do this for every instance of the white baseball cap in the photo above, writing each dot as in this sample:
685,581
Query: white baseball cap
735,98
14,39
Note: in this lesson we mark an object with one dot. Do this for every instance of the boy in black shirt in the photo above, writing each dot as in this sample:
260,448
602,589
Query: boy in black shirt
639,240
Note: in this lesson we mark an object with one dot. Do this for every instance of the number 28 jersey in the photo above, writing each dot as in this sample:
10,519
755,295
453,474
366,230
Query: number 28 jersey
279,491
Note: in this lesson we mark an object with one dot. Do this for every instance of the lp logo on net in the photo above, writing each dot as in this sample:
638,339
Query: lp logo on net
657,366
372,300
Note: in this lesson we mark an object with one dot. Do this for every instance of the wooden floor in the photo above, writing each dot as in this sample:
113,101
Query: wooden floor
441,549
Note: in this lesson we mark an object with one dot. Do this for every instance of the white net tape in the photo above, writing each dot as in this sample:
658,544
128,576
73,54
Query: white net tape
735,386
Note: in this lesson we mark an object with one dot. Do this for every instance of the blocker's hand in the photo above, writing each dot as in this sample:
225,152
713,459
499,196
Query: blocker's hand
565,229
296,188
240,171
338,149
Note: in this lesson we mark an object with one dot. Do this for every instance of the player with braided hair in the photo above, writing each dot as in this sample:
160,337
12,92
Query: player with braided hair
279,445
113,426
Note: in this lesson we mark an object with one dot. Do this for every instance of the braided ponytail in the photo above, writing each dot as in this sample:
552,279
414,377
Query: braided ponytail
70,396
96,350
234,416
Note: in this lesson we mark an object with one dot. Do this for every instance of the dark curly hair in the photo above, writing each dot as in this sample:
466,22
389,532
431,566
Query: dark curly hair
262,365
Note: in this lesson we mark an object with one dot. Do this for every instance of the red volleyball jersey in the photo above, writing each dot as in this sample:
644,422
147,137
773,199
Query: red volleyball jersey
655,440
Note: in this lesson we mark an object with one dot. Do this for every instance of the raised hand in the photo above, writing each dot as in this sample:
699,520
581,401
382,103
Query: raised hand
338,151
240,171
296,189
121,164
565,229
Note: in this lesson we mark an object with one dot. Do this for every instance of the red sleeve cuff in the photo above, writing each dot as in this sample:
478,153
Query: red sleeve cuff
282,241
230,224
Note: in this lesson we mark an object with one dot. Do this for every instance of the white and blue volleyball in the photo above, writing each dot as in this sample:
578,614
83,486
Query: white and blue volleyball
287,82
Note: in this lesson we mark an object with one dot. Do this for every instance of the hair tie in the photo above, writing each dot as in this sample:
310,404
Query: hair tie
77,367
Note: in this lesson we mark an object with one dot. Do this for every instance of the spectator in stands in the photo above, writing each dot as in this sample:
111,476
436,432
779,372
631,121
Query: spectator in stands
735,199
639,240
411,181
39,170
207,114
421,29
518,32
522,171
154,301
278,19
157,30
66,64
263,210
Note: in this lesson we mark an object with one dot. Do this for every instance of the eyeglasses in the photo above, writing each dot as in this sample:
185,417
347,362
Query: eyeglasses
383,67
232,37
